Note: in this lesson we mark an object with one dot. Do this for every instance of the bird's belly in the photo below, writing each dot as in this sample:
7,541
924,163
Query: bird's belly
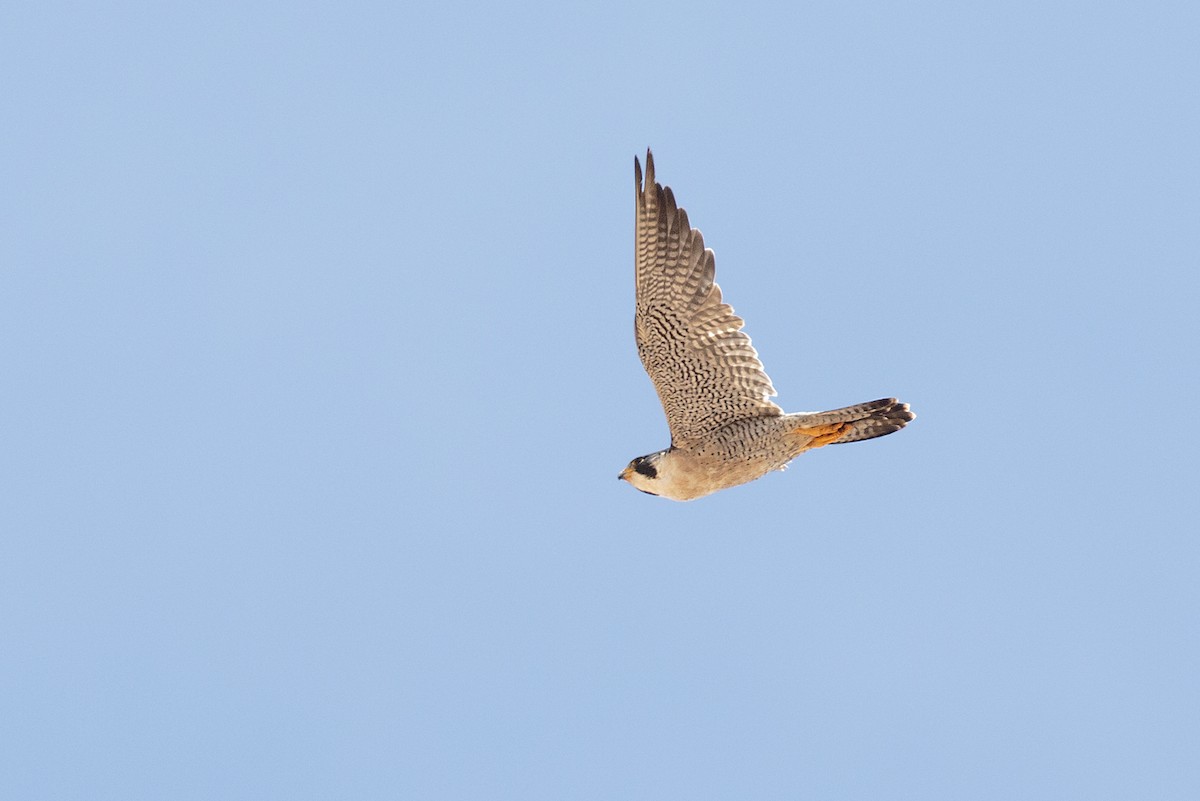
704,476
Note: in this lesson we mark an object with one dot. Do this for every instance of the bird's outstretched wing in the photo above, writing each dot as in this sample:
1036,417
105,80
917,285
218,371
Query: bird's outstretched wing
701,362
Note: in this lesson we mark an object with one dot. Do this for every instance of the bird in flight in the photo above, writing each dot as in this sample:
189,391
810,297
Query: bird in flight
725,430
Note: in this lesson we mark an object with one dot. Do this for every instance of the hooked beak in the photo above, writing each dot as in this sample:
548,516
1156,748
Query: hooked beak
625,474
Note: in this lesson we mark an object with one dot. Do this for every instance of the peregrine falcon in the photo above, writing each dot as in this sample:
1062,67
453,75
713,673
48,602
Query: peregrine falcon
725,430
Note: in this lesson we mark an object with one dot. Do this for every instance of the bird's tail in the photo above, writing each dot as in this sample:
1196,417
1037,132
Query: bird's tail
853,423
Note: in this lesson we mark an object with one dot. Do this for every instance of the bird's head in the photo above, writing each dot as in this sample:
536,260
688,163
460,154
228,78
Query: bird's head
643,473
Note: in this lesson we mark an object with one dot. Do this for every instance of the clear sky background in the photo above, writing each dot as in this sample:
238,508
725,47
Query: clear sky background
318,369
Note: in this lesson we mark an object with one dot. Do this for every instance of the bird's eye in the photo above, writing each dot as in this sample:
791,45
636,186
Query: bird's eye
646,469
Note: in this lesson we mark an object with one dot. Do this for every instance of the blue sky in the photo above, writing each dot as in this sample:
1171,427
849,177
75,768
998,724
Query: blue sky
315,326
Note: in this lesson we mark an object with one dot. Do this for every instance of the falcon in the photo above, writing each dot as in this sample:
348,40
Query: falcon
725,430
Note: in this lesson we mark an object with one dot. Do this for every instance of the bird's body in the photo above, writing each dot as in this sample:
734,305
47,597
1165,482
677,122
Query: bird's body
725,430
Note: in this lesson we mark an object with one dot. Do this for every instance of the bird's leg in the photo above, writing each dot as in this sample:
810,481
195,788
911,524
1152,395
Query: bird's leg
822,435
